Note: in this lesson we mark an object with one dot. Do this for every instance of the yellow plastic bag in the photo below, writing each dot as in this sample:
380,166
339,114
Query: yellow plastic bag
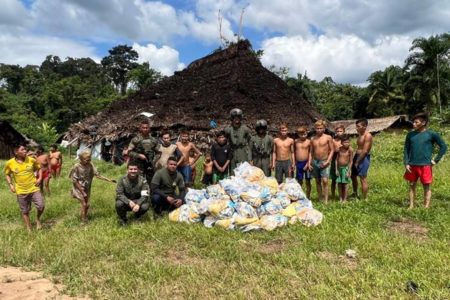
271,183
290,210
225,223
244,221
216,206
174,215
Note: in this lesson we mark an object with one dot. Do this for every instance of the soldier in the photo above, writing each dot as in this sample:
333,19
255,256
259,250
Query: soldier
132,194
238,136
143,150
261,145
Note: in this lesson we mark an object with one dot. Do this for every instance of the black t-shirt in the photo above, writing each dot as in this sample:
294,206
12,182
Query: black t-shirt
221,153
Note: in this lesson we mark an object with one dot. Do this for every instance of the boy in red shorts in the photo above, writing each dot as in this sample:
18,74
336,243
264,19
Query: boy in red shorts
418,152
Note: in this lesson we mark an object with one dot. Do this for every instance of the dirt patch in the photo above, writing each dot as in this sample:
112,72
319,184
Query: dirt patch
273,246
409,228
18,284
180,257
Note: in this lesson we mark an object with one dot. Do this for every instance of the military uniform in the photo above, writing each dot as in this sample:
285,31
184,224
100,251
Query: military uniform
147,146
166,184
261,152
135,190
238,139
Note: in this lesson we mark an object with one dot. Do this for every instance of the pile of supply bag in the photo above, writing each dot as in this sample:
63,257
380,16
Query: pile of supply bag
248,201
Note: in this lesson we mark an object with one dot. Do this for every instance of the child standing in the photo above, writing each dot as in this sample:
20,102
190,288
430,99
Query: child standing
339,130
82,174
302,151
283,155
343,164
207,178
221,156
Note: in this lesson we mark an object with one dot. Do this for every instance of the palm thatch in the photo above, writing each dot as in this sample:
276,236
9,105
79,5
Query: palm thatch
375,125
206,90
9,137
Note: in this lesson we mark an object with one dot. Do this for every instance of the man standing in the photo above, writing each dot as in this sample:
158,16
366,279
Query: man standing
168,188
21,179
167,149
238,136
143,149
132,194
361,161
261,145
418,152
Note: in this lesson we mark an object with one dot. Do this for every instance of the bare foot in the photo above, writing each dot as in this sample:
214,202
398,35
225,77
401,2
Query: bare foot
38,225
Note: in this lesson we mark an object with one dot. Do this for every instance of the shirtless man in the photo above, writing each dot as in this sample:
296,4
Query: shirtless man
184,165
322,150
302,150
339,130
361,161
56,160
44,161
283,158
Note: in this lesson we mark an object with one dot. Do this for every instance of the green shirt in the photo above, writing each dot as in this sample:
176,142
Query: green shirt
166,183
418,150
135,190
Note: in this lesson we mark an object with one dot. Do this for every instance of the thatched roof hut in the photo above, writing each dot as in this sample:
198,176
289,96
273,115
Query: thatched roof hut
375,125
9,137
206,90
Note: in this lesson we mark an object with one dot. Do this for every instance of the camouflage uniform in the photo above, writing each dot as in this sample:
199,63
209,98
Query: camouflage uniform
147,146
238,139
134,190
261,152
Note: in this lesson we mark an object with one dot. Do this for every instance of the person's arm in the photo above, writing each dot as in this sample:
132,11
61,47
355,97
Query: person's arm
292,156
367,145
37,167
144,193
350,164
132,152
196,156
331,153
120,193
99,176
442,147
274,154
60,159
9,180
311,155
406,152
250,151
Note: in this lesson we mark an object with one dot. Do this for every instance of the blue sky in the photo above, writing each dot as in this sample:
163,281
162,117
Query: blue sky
344,39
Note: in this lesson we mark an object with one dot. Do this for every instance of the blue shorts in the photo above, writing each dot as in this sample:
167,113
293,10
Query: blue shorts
363,167
302,174
186,172
319,172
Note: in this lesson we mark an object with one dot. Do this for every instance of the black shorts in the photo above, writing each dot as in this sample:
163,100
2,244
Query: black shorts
207,179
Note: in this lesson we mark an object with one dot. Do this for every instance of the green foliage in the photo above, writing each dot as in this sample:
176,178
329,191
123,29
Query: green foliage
143,76
160,260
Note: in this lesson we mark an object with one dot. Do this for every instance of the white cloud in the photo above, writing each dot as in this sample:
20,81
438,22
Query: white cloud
347,59
164,59
13,16
28,49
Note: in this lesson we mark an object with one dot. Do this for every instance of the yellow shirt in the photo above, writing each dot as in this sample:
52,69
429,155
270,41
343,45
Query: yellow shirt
23,175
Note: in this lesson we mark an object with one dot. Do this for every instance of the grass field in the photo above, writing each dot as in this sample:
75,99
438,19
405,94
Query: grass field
159,259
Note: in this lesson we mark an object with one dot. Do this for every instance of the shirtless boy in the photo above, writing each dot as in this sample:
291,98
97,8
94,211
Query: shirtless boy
283,158
339,130
208,164
361,161
44,161
302,150
322,150
343,166
184,164
56,160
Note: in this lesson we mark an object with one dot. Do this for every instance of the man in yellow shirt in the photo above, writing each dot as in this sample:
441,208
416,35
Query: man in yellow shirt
21,177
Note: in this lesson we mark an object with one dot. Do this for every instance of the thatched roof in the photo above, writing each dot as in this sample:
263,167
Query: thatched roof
9,137
207,89
375,125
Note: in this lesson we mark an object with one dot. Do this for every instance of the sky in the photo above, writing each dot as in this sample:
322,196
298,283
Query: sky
344,39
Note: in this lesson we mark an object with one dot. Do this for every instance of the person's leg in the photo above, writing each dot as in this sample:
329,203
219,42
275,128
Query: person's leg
364,187
157,203
308,188
47,185
38,201
427,195
278,172
84,207
319,188
26,220
142,210
325,189
121,210
345,191
333,189
412,194
25,207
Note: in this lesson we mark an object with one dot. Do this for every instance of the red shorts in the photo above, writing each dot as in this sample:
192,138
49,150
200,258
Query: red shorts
425,173
56,168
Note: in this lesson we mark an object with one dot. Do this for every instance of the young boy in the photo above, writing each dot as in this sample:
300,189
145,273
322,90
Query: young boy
339,130
361,160
19,172
343,165
302,151
82,174
44,161
322,150
207,177
56,160
221,156
185,164
418,153
283,157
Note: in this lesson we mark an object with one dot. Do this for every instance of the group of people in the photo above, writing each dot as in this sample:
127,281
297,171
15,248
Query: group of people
159,172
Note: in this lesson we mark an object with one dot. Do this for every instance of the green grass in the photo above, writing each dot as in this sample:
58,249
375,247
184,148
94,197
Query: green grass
159,259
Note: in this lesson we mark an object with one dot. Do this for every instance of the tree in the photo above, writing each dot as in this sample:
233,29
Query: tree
143,76
120,61
423,84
